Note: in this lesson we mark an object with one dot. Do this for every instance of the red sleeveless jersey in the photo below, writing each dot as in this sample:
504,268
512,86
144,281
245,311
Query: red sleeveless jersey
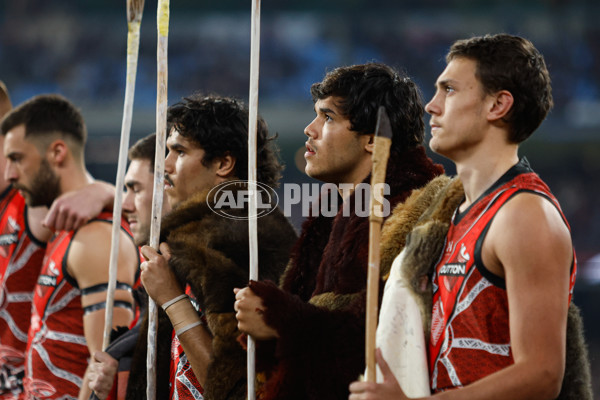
57,352
20,261
183,382
470,335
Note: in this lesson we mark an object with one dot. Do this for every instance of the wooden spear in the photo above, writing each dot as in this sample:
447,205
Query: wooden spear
135,9
252,204
381,152
162,18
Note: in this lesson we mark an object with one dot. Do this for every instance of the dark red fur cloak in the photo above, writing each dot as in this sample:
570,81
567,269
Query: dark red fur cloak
319,312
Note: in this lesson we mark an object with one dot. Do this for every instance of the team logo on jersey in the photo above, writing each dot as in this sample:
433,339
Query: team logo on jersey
453,269
8,239
452,273
449,246
463,256
52,268
49,279
9,236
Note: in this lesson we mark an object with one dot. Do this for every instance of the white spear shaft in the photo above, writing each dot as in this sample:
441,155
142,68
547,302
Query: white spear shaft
252,204
134,20
159,179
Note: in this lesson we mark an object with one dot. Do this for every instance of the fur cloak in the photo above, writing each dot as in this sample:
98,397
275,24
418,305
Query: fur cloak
210,253
432,209
319,312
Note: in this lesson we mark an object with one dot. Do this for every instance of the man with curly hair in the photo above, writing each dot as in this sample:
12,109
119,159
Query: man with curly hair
311,328
205,254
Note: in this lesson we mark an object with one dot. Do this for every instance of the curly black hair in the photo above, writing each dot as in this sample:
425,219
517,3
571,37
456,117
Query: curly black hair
360,91
219,125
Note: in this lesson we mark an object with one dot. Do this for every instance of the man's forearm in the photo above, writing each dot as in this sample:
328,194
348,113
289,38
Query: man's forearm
197,344
517,382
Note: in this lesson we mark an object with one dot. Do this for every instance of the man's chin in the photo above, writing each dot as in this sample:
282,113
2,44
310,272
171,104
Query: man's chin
172,200
434,146
312,172
139,242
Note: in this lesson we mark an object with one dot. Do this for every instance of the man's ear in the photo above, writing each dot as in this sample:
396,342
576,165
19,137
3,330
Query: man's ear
369,142
501,105
226,166
57,152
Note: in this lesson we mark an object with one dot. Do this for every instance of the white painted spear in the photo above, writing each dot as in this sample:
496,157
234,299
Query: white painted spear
135,9
162,18
252,204
381,152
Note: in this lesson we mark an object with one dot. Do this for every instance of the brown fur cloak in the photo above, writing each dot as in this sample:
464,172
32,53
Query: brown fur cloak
319,312
432,208
210,253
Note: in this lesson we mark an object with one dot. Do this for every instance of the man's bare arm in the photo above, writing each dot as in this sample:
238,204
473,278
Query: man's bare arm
73,209
162,286
88,263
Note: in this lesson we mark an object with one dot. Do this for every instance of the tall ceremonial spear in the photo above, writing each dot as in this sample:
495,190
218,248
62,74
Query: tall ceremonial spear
252,204
162,19
381,152
135,9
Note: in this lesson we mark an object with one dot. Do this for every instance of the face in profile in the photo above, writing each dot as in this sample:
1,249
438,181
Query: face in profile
333,151
137,202
185,174
27,170
458,110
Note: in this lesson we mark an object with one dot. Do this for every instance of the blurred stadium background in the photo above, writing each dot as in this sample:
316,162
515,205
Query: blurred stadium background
77,48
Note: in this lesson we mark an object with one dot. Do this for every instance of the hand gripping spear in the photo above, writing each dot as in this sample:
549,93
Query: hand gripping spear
381,152
162,18
252,204
135,9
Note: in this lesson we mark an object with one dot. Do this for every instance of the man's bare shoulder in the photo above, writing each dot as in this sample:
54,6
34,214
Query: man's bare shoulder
89,254
528,212
35,216
528,231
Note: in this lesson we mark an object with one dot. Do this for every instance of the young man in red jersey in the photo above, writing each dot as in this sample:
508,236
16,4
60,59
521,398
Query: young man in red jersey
44,139
503,282
23,238
107,375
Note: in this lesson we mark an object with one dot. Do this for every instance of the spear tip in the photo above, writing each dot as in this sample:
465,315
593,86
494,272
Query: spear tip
383,128
135,8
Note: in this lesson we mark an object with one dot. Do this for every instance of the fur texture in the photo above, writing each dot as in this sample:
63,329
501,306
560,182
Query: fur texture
403,219
577,382
319,312
210,253
428,212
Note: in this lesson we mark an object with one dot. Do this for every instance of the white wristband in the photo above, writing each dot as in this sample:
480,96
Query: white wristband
173,301
186,328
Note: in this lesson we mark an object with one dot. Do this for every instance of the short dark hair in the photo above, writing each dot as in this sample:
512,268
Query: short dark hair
219,125
362,89
507,62
144,149
48,113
